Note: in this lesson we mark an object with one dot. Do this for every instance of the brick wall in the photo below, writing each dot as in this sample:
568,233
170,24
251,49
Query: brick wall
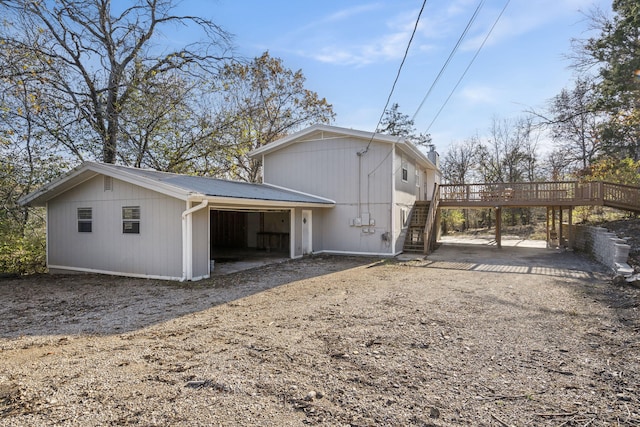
604,246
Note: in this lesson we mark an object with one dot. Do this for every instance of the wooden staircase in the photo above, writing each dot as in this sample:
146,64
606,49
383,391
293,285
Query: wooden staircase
423,225
414,238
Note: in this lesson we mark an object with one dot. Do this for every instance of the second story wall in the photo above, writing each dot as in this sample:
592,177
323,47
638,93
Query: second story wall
333,169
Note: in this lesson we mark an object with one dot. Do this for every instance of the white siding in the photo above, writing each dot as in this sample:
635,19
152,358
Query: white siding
156,251
200,242
359,185
405,195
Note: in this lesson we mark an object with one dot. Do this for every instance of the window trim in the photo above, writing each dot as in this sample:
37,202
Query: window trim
404,167
131,219
404,218
83,220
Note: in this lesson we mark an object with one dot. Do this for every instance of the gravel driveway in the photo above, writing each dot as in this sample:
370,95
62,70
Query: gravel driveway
470,336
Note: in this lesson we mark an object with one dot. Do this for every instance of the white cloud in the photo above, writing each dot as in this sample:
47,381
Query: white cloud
521,18
480,95
352,43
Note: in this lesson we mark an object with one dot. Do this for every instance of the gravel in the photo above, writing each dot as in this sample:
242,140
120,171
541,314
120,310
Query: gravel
470,336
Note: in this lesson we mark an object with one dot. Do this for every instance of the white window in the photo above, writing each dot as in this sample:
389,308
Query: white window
85,218
405,170
131,219
404,217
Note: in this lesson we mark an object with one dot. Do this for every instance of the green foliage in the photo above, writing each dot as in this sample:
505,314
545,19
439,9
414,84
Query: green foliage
395,123
452,219
617,51
22,248
623,171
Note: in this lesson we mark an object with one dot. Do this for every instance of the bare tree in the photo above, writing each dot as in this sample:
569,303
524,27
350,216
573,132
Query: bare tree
459,162
96,55
575,124
265,101
510,154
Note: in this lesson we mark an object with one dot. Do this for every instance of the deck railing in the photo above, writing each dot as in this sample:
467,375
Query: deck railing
552,193
556,194
621,196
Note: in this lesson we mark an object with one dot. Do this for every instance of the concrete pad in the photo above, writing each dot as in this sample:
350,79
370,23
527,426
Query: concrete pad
509,241
223,268
525,257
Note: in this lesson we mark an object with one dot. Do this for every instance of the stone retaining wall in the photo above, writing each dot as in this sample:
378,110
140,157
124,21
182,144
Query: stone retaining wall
604,246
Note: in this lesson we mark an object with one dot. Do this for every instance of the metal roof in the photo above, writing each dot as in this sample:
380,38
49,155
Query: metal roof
215,187
176,185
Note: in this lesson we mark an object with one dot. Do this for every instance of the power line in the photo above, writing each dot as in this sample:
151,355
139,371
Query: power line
393,87
469,66
453,51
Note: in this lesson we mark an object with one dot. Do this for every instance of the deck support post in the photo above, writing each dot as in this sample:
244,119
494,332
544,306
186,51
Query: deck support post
547,227
560,243
571,231
498,226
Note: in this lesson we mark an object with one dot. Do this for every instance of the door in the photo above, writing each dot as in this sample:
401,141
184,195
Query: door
307,246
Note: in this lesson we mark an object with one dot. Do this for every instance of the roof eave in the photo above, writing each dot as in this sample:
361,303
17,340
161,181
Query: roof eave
234,201
79,175
379,137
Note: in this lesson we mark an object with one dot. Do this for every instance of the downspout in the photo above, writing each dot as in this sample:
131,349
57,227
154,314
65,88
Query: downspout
187,240
392,217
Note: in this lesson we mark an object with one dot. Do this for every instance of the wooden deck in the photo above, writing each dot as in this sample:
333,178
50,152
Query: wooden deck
531,194
555,196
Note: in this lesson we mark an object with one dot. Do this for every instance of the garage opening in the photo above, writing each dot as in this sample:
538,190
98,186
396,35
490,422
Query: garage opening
245,236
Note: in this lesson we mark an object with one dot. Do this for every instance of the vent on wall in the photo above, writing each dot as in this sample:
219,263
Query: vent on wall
108,183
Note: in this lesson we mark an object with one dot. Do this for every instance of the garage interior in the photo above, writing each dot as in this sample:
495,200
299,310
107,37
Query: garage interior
255,237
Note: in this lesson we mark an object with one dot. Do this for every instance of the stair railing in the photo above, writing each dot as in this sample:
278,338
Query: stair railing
429,227
621,196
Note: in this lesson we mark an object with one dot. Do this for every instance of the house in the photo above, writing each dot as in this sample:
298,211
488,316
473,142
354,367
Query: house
325,189
374,180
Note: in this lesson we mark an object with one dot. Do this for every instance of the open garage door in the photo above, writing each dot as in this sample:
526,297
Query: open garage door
240,236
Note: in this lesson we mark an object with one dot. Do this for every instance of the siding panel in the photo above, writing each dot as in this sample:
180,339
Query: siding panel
360,185
157,250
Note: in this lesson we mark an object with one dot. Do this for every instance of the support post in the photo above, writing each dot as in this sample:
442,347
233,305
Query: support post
547,226
498,226
571,230
560,227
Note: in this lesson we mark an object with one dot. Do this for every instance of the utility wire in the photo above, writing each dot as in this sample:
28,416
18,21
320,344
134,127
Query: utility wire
393,87
469,66
453,51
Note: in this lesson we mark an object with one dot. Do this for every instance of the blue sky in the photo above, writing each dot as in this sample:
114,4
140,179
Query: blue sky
350,51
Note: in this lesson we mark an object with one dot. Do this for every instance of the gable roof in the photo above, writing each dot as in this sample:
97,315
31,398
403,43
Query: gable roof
184,187
321,131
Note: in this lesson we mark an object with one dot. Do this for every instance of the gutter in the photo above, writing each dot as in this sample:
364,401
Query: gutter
187,240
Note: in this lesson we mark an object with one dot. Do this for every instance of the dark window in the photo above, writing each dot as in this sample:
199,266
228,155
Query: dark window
131,219
85,217
405,168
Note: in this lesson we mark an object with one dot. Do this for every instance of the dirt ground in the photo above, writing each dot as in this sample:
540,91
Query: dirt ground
470,336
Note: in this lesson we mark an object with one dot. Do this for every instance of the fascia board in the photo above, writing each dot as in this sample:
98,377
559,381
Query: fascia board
148,183
231,202
359,134
79,175
417,154
67,181
333,202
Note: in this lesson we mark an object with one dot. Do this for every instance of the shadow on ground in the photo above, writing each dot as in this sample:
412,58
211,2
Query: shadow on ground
101,305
